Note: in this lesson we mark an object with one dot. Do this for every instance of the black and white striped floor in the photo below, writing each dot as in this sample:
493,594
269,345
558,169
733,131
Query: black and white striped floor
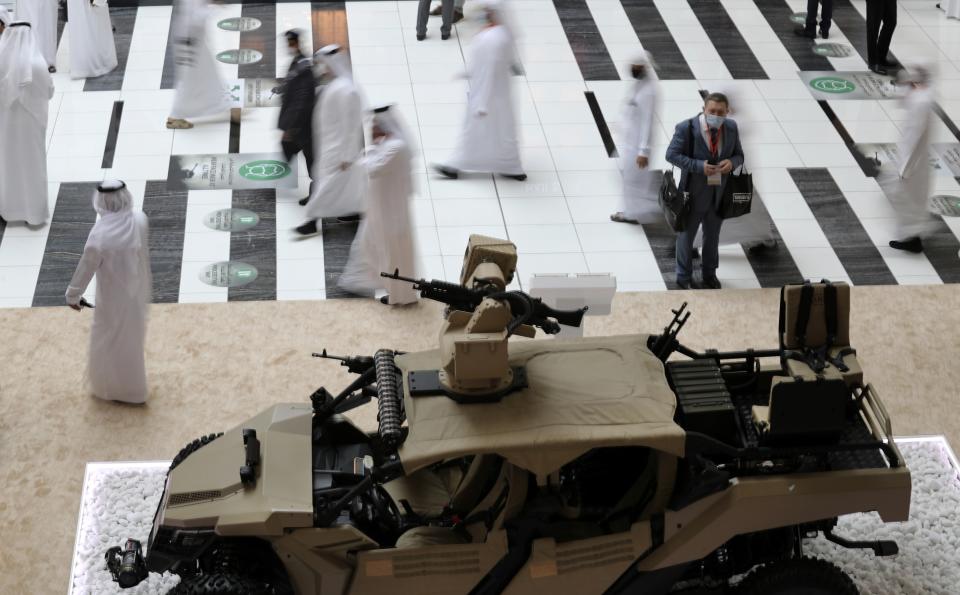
833,221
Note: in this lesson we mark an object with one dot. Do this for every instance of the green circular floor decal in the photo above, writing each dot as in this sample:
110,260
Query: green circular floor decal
243,56
946,205
231,219
833,50
833,84
264,170
240,24
799,18
228,274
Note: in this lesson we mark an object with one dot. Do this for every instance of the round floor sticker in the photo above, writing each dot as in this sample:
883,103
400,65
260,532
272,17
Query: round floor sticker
833,84
231,219
228,274
799,18
264,170
946,205
240,24
242,56
832,50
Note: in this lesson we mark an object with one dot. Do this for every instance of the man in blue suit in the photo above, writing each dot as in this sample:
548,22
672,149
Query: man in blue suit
705,167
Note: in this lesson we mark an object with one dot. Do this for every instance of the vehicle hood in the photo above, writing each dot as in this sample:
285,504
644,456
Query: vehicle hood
205,490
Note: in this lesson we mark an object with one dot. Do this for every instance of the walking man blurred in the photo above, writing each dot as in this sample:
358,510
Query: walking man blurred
298,96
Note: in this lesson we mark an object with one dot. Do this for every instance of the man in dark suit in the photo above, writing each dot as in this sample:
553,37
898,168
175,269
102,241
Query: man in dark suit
705,167
826,16
881,21
298,96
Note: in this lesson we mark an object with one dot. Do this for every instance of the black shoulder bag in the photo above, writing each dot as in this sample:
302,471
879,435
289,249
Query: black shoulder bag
675,203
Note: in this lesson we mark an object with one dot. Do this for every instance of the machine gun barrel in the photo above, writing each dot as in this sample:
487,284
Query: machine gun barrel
664,344
355,364
452,294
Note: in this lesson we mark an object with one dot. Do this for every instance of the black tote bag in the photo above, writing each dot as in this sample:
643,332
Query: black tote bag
737,196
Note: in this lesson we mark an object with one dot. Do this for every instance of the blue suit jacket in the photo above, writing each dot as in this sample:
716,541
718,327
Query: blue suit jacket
691,163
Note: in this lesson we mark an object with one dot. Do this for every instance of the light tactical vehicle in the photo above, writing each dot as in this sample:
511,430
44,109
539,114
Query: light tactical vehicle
597,466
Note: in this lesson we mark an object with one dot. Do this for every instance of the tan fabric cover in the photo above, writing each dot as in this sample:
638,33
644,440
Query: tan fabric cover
817,326
604,391
427,491
426,536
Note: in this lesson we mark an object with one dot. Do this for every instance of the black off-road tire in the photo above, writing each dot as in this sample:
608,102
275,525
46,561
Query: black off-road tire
220,584
800,576
189,449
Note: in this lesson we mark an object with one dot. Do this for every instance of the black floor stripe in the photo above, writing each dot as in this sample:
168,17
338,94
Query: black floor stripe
167,212
329,20
853,25
867,163
656,39
61,21
726,39
585,41
601,123
111,147
123,20
663,243
777,13
774,267
256,246
168,76
3,227
234,145
854,248
941,249
72,219
263,39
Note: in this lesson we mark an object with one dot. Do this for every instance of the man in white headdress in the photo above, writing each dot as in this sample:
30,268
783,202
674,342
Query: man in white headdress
92,50
117,251
384,242
4,18
338,138
200,90
489,142
640,189
25,91
42,16
909,187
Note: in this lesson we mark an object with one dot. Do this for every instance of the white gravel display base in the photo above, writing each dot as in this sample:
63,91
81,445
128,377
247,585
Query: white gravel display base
119,500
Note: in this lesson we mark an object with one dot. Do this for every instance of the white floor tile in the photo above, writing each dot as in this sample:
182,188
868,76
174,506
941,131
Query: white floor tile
467,186
638,266
590,183
817,263
906,264
453,240
535,211
538,183
802,233
458,212
593,158
786,205
612,237
300,274
544,239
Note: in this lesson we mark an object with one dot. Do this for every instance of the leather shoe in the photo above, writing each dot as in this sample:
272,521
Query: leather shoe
447,172
878,69
457,16
421,37
914,245
683,283
437,10
517,177
308,229
711,283
444,36
825,33
802,32
303,201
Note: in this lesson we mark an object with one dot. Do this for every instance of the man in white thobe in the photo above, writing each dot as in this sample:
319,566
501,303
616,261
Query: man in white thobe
200,90
42,16
338,143
25,91
384,242
489,142
117,251
640,188
911,186
92,50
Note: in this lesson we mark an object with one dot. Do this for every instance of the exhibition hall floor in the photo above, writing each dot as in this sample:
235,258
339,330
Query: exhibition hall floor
832,220
211,366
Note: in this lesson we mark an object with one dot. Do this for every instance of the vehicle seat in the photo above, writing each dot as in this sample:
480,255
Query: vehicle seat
815,332
443,488
502,502
803,410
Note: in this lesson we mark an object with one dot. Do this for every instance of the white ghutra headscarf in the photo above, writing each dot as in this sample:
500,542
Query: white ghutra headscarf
117,230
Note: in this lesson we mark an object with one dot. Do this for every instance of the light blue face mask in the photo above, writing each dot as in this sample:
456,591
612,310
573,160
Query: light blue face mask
714,121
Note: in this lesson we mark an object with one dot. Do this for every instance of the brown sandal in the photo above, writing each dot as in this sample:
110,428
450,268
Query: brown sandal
178,124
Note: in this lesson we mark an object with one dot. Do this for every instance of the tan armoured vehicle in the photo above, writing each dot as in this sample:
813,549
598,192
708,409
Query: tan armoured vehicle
595,466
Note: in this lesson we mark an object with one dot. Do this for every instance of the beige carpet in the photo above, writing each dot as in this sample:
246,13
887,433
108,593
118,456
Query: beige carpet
213,365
